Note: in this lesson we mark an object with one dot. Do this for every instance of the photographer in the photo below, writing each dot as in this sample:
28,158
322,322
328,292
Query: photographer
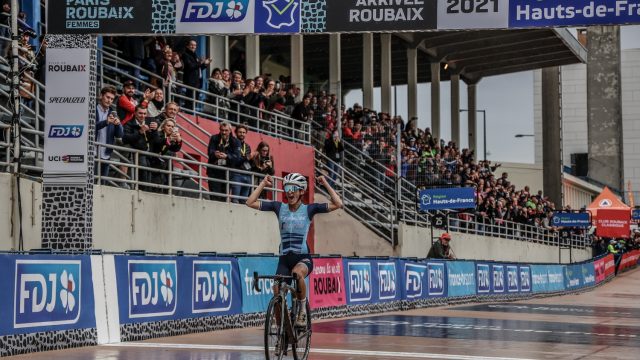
167,143
241,161
262,162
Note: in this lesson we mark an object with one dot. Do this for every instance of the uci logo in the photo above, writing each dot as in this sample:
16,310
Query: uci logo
153,288
47,292
387,277
436,278
415,274
359,281
512,279
65,131
484,281
214,10
212,286
498,278
525,282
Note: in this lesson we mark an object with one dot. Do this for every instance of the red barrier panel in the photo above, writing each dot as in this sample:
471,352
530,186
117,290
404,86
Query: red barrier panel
598,266
326,285
609,266
629,260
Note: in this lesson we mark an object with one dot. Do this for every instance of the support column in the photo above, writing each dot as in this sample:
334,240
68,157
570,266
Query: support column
604,104
385,73
412,83
67,189
335,68
551,135
297,63
219,52
252,54
472,116
435,99
455,108
367,70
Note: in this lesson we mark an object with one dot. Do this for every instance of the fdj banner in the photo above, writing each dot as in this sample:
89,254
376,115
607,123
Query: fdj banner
462,279
359,280
100,17
46,293
253,301
66,125
553,13
490,278
446,198
237,16
326,284
389,281
576,220
380,15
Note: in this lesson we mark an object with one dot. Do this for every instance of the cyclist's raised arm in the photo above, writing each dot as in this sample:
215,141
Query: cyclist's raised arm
336,201
253,201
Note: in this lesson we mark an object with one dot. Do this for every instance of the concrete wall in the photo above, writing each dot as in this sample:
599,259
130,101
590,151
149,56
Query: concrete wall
30,192
522,175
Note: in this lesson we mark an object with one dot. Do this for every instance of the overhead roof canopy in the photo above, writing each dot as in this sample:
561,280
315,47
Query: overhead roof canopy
472,54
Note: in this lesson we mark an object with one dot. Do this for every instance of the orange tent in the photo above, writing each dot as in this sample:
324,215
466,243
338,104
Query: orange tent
606,200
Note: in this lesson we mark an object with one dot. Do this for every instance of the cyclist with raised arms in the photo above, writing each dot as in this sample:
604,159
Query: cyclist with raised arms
294,219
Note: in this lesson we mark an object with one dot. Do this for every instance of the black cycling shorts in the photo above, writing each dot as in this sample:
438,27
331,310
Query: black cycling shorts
287,262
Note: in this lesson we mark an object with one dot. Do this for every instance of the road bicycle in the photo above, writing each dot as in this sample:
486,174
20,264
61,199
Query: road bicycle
280,330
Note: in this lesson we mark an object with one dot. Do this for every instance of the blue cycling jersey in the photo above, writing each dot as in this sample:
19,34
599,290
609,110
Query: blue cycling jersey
294,226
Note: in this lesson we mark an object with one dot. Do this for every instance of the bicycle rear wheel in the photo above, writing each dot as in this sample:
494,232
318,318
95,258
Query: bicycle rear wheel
274,335
303,336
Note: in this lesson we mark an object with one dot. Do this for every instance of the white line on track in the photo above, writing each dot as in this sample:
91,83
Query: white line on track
378,354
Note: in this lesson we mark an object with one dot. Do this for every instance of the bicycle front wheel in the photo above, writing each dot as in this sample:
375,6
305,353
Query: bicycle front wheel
303,338
274,339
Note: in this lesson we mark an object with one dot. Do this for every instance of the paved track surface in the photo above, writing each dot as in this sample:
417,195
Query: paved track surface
600,324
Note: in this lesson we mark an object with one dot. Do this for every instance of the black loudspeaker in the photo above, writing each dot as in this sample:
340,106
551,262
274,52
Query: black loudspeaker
580,164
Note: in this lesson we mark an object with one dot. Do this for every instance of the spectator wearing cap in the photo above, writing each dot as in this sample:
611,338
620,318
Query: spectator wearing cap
126,106
441,249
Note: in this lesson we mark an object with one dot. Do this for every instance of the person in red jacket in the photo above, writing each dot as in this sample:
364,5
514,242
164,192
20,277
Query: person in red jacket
126,106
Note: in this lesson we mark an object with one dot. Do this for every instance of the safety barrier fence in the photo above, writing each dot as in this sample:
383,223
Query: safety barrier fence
108,296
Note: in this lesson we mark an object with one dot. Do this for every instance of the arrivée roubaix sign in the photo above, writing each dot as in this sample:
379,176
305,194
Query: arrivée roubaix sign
379,15
66,125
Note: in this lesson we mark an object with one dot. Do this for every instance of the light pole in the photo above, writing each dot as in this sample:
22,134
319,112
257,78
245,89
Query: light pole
484,129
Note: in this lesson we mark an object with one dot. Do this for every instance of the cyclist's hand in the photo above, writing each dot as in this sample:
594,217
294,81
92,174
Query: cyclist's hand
268,181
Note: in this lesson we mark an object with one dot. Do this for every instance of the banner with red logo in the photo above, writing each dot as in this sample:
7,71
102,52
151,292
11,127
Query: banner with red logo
629,260
326,285
609,266
598,267
613,223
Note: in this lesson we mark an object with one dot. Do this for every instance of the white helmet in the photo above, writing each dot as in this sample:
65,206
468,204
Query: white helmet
295,179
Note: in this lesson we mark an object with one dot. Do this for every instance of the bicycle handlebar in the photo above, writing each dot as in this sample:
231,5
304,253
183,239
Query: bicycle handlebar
278,278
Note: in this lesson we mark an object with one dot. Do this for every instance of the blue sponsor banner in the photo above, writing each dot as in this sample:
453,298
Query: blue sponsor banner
461,278
635,214
359,279
513,279
571,219
547,278
46,293
277,16
525,278
498,279
483,278
437,279
415,280
553,13
588,273
389,281
446,198
573,277
166,288
253,301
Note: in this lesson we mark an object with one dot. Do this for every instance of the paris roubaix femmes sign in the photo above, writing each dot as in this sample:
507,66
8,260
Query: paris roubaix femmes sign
327,16
66,124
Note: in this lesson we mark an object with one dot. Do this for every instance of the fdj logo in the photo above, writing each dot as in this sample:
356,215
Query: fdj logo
65,131
525,279
415,275
359,281
387,276
436,279
212,286
498,278
484,281
512,279
47,292
153,286
214,10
